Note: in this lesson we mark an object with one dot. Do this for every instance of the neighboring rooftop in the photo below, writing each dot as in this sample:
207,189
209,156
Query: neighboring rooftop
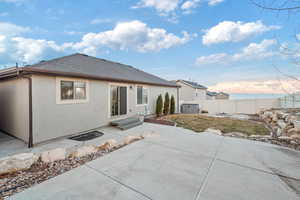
216,93
193,84
211,93
80,65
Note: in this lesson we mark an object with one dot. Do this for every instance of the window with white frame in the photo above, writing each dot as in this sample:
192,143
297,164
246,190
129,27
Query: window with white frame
72,90
142,95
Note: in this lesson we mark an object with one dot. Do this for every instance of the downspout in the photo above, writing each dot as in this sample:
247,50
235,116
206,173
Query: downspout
30,139
178,109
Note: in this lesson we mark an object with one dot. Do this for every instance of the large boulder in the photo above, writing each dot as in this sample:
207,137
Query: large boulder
215,131
17,162
293,131
108,145
296,124
274,117
281,124
267,114
130,139
53,155
85,150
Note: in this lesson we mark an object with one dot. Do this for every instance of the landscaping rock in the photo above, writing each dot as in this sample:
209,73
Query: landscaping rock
295,137
215,131
274,117
281,124
236,134
285,138
296,124
85,150
257,136
293,131
17,162
53,155
278,132
130,139
108,145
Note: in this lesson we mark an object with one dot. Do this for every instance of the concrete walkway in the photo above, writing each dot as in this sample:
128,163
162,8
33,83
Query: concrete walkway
180,164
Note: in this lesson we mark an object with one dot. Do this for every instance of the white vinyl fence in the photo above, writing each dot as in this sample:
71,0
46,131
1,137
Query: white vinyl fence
245,106
290,101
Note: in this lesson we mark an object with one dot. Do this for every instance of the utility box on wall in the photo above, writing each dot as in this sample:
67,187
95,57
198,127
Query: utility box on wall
190,108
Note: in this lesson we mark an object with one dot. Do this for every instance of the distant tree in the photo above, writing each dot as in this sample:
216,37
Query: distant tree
159,105
290,51
167,104
172,107
278,5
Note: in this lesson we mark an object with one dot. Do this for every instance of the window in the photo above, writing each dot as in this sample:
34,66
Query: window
73,90
142,95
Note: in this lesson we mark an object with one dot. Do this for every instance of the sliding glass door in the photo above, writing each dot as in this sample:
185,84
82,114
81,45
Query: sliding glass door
118,100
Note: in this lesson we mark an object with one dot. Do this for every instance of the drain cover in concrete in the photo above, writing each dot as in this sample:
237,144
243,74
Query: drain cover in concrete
87,136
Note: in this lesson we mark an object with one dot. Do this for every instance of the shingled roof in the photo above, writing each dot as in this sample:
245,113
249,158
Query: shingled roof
80,65
193,84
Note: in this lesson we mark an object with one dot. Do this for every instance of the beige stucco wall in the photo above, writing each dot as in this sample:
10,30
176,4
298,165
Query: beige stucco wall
246,106
14,108
188,93
52,120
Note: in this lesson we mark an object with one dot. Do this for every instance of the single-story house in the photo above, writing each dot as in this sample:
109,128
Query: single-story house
73,94
191,91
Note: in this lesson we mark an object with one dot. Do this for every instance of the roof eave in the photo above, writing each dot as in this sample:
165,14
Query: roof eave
203,88
32,70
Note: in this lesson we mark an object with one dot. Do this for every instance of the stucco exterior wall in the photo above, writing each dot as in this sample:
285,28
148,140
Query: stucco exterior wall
188,93
200,94
14,110
52,120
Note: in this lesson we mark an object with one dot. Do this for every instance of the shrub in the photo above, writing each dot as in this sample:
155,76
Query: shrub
167,104
172,107
159,105
204,111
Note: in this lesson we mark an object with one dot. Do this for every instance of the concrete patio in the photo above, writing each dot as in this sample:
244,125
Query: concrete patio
179,164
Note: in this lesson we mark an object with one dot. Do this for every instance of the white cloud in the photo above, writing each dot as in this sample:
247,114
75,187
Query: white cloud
212,59
257,50
189,5
12,1
298,36
2,44
101,21
12,29
73,32
258,87
162,6
229,31
214,2
254,51
30,50
133,35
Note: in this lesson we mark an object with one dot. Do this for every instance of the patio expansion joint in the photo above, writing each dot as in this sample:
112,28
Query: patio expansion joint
259,170
177,149
119,182
204,182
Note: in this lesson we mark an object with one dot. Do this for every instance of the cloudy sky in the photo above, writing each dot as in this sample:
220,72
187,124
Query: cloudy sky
228,45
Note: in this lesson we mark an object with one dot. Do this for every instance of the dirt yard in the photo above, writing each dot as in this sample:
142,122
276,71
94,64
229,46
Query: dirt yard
200,123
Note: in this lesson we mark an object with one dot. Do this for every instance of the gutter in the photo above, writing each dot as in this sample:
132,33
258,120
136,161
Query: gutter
178,100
